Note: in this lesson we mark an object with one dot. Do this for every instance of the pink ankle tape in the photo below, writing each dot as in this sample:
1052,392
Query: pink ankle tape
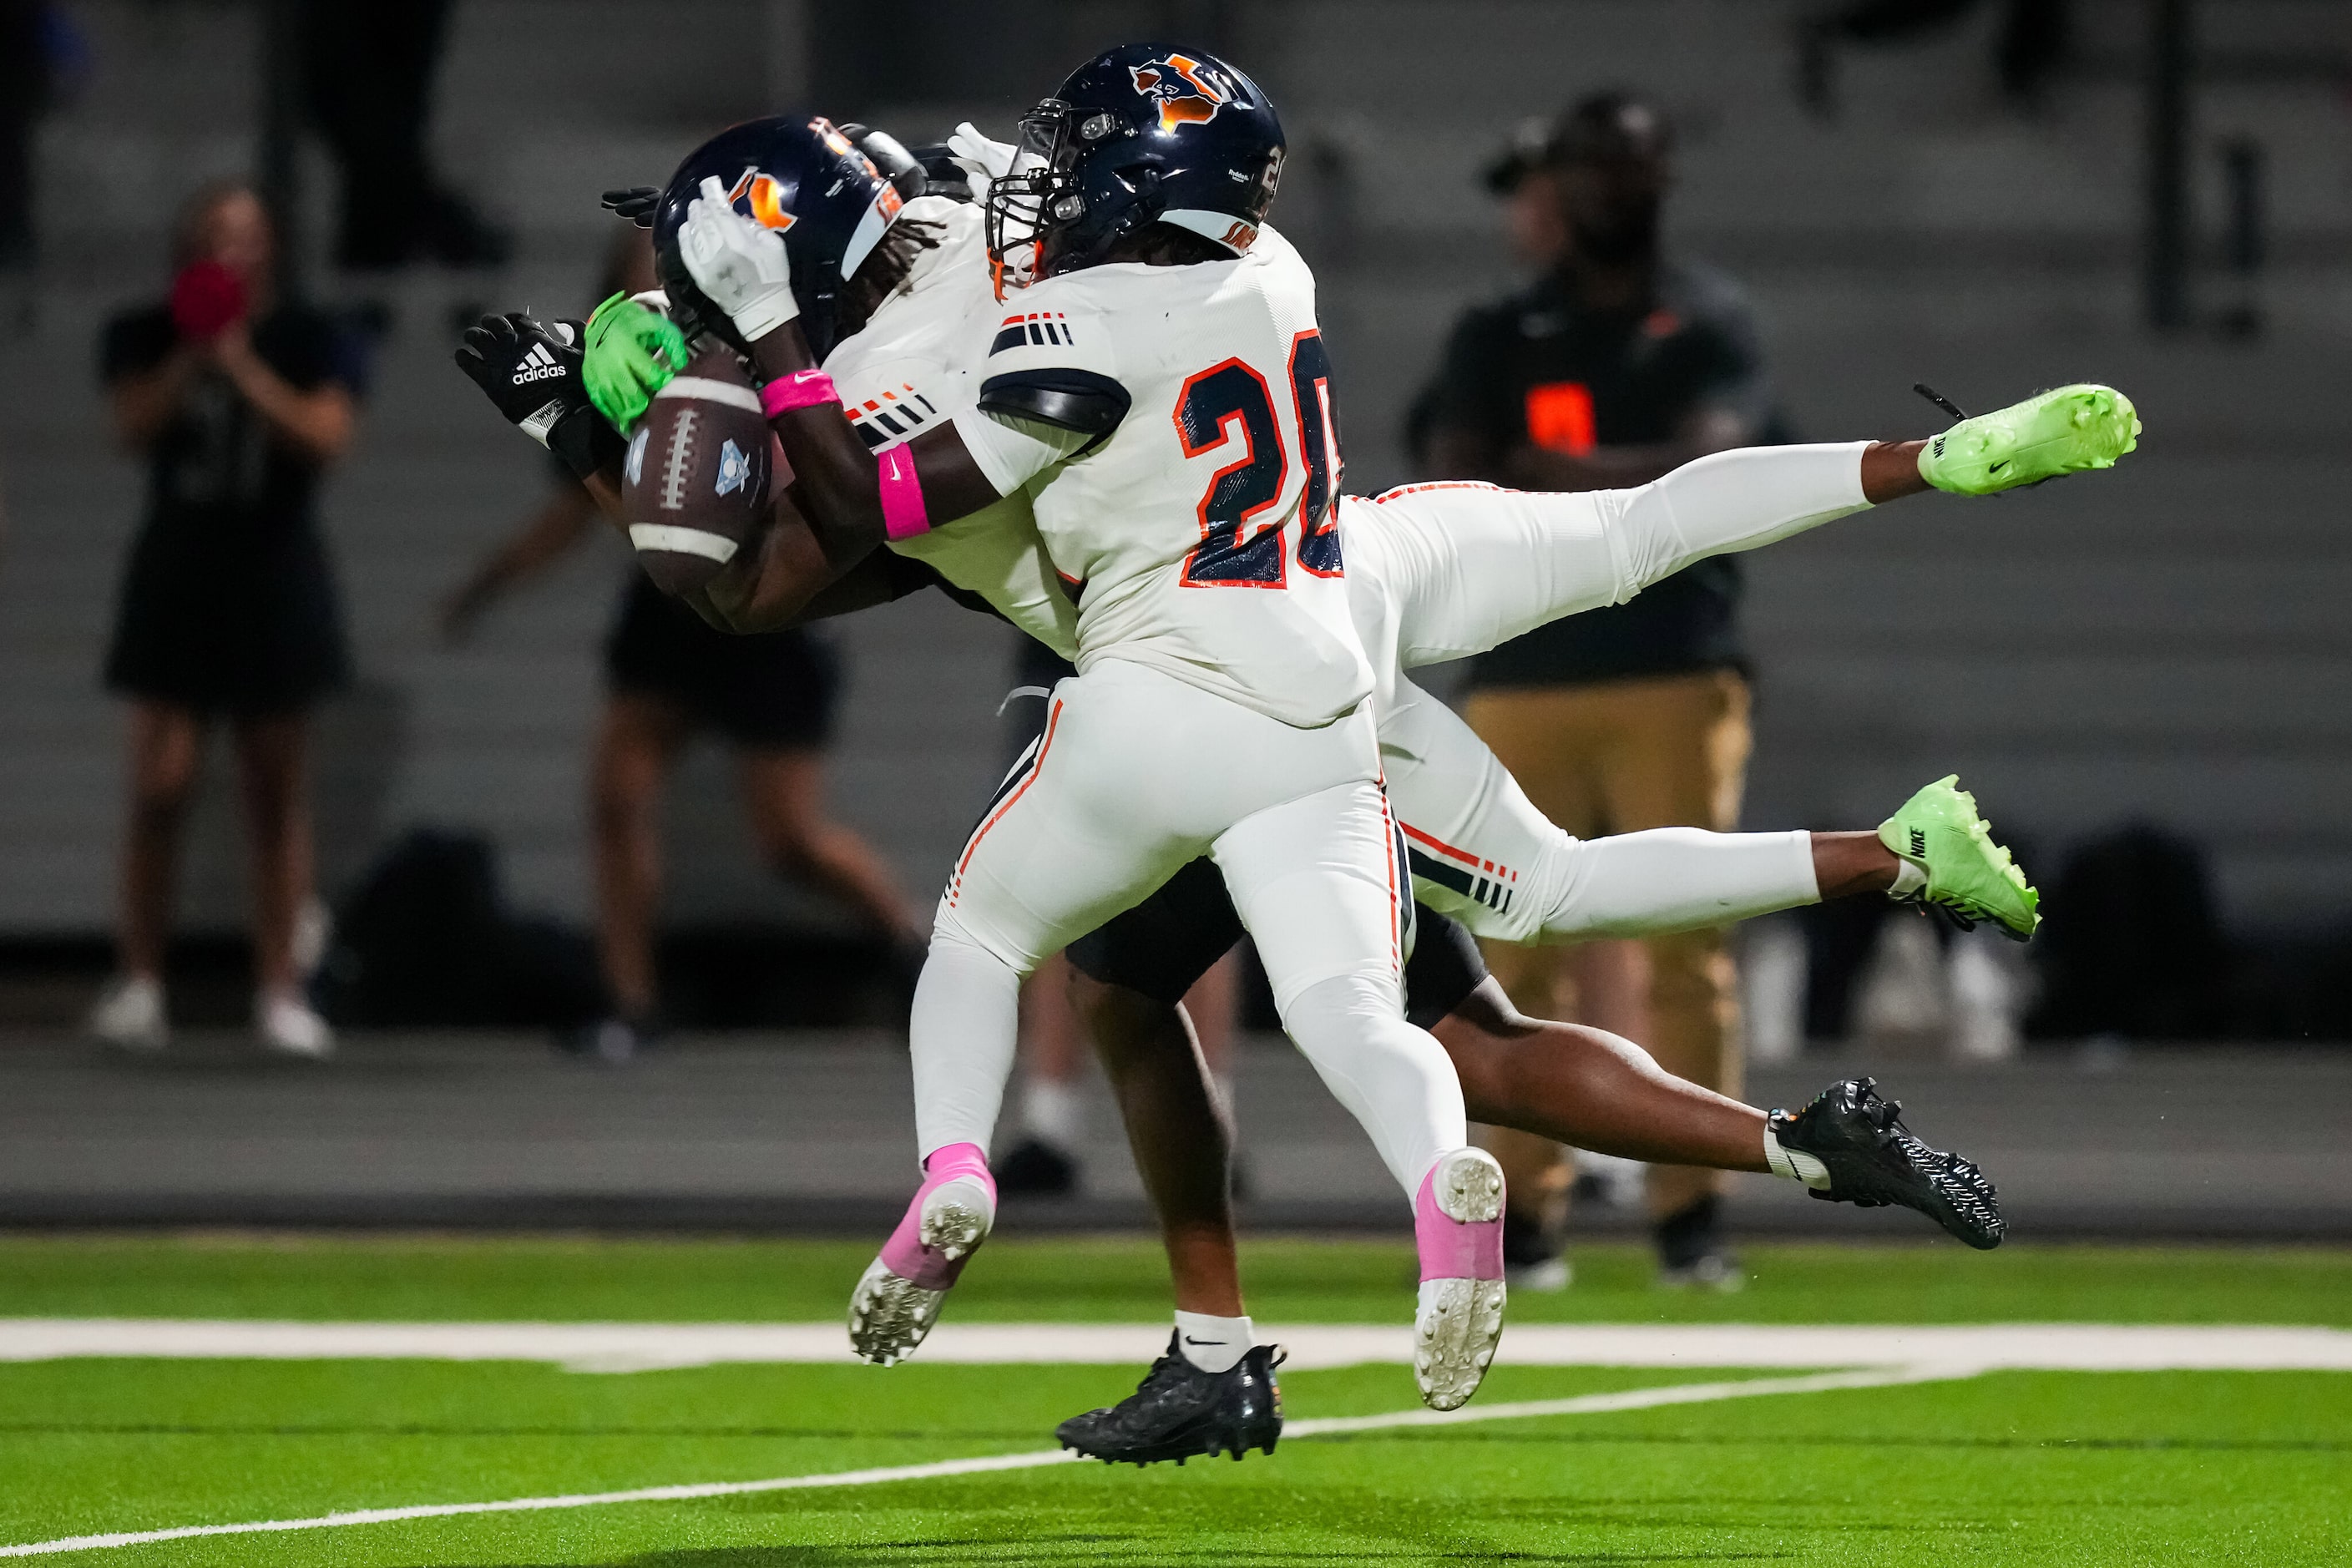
1450,1249
801,389
904,1254
903,514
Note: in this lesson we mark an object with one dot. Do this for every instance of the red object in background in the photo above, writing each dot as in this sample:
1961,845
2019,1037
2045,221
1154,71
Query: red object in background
1560,417
206,298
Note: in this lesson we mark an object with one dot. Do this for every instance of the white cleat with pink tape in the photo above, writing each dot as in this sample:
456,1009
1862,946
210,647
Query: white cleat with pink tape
1457,1220
898,1296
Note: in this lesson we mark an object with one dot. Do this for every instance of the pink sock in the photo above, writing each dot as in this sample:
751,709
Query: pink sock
904,1254
1450,1249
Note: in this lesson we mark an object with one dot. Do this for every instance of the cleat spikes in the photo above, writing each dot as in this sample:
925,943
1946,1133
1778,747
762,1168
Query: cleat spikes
1178,1412
1874,1161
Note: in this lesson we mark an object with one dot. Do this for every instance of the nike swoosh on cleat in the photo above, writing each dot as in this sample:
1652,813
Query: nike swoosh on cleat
1996,468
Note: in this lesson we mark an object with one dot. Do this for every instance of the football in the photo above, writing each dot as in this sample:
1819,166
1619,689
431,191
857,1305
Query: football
695,484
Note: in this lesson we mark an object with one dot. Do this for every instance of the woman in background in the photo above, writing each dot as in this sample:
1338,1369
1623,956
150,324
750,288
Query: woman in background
668,676
238,401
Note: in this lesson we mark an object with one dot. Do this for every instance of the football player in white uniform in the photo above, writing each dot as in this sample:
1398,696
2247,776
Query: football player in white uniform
1220,706
1428,608
1134,304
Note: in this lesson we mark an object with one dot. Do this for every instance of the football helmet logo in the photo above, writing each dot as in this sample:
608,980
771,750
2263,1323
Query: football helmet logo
761,199
1188,91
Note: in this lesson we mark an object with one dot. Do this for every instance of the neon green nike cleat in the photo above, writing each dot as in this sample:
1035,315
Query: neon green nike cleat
1970,876
2052,433
632,354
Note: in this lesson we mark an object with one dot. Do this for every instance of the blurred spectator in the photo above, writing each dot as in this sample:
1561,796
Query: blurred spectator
239,400
24,90
369,84
668,676
2028,47
1520,177
42,58
1613,366
1054,1046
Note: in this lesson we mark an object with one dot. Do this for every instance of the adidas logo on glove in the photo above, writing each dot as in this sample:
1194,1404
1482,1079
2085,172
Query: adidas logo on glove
537,365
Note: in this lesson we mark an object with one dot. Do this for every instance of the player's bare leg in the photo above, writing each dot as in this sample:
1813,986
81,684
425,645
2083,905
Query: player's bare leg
1181,1135
1567,1082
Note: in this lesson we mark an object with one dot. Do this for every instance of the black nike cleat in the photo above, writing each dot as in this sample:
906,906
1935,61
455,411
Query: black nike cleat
1873,1159
1179,1411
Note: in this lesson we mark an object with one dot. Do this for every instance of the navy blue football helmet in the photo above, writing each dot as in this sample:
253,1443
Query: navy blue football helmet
1145,133
800,176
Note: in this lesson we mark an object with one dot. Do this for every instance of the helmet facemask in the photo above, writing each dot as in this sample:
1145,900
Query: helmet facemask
1041,196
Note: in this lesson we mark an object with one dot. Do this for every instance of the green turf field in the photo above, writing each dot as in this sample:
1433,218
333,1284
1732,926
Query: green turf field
2003,1468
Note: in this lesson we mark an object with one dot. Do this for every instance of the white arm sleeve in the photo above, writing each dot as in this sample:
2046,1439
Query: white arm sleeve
1471,566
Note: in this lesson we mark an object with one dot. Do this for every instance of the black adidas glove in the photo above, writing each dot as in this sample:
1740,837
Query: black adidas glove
636,202
532,373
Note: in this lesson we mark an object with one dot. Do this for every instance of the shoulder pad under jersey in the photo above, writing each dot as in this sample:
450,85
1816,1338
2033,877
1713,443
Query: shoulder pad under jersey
1083,401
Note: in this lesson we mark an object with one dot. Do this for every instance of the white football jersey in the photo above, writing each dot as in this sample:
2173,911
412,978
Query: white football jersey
1202,532
913,368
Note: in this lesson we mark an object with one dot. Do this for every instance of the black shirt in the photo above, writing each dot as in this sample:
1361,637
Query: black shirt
215,469
1539,367
228,601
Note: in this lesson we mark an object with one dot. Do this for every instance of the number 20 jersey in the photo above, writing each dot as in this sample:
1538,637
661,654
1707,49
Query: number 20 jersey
1201,531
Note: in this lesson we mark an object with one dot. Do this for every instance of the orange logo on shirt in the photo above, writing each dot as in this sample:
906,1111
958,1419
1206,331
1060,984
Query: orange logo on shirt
1188,93
1560,417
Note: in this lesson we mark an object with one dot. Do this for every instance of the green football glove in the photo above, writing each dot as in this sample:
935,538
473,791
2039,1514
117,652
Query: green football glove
2050,434
633,353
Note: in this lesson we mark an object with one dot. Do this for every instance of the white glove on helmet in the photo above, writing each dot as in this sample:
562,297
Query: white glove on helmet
983,161
740,265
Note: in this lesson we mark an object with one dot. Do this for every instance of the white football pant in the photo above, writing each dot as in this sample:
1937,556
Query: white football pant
1135,774
1443,571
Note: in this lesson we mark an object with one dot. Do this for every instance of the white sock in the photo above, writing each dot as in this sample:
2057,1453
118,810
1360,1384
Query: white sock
1051,1112
1795,1164
961,1040
1214,1344
1909,877
1396,1080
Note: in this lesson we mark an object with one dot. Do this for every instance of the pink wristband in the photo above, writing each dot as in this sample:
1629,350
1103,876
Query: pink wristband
903,515
801,389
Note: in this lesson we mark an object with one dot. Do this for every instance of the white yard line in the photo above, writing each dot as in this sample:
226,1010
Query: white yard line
1584,1405
647,1347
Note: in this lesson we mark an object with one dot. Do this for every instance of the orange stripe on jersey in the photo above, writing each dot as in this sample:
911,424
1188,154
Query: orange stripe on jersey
997,815
1396,909
1435,485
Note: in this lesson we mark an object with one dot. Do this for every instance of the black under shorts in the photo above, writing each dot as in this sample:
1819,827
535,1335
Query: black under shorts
769,691
1164,945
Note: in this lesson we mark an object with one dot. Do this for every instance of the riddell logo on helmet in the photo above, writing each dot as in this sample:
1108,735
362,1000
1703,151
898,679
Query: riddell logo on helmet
1188,93
766,199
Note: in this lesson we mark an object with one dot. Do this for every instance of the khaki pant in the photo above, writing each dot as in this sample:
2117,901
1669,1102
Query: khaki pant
1616,757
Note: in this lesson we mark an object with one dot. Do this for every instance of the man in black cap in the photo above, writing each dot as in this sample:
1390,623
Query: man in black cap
1613,366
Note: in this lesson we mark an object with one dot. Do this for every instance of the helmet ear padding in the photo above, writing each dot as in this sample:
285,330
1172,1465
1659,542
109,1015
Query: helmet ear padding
1236,234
